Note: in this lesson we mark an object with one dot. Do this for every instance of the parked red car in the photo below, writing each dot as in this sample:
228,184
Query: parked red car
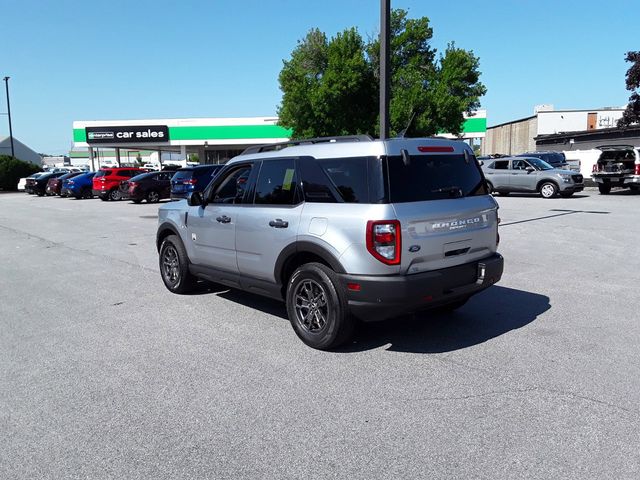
107,181
54,185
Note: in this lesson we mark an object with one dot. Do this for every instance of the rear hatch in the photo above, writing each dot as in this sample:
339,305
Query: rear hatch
616,160
446,215
181,180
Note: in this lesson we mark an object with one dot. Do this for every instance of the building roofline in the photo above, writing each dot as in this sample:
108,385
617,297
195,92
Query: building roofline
512,121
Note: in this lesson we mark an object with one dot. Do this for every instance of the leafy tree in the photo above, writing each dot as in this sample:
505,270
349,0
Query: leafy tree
632,112
328,86
331,87
12,170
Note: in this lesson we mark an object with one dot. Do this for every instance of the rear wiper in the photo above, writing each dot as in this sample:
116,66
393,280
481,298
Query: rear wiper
453,190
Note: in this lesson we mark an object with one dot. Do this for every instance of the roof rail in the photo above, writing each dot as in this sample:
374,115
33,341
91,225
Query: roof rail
271,147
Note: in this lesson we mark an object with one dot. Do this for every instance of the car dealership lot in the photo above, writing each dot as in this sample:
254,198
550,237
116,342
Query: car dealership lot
104,373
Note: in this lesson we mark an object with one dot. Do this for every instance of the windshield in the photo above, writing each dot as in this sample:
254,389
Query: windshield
434,177
539,164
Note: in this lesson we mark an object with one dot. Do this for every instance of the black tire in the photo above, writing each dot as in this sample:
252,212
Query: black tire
86,193
548,189
136,200
152,196
39,193
174,266
566,194
489,186
115,194
314,288
104,198
604,189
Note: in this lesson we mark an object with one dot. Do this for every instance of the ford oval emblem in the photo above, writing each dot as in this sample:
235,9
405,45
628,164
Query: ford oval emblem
414,248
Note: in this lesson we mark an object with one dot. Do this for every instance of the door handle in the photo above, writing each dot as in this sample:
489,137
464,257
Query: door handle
278,223
223,219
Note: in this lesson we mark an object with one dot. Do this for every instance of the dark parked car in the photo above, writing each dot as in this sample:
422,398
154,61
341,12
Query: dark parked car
78,187
30,182
555,159
152,187
39,185
54,185
192,179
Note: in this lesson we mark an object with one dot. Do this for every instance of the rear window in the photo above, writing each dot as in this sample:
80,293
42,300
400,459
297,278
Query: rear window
103,173
433,177
205,173
182,174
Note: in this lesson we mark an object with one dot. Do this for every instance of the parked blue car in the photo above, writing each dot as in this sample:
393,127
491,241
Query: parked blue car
192,179
79,186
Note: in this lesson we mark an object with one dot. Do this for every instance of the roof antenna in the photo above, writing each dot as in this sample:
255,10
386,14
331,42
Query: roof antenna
403,132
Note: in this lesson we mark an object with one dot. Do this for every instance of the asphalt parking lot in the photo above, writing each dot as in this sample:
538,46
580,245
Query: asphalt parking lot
105,374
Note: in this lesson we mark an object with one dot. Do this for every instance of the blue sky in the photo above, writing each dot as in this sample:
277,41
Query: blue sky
85,60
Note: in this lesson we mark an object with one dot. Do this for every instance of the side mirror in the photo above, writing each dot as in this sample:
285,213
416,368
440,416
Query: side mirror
481,162
195,199
530,169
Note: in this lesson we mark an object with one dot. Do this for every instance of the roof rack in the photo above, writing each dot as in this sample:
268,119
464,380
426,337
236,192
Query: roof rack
271,147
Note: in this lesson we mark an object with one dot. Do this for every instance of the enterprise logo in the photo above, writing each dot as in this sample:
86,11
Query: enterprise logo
100,135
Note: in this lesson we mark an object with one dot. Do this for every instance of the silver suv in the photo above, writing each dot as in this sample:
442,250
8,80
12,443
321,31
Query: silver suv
530,174
340,229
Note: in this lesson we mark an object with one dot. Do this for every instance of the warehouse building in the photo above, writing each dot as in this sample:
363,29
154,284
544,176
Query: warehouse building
518,136
21,151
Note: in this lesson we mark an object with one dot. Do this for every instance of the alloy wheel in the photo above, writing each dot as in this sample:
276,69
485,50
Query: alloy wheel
171,264
311,306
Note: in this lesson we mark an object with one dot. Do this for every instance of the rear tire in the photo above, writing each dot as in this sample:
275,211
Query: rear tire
174,266
87,193
153,196
604,189
317,308
548,190
104,198
115,195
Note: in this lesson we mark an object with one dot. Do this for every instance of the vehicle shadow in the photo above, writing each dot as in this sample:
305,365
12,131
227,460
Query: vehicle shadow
488,315
492,313
575,196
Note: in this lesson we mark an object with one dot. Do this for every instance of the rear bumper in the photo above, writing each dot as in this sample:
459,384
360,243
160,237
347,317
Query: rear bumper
382,297
617,180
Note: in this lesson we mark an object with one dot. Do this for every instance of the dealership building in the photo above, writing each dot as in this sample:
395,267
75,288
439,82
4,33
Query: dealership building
214,140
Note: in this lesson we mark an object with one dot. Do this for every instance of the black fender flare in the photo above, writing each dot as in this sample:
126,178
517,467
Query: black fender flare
166,226
305,247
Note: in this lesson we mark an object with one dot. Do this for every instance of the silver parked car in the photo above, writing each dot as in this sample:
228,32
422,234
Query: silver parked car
529,174
339,228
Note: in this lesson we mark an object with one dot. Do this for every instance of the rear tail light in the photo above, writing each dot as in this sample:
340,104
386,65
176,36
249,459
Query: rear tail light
132,184
637,172
595,168
191,181
384,240
70,182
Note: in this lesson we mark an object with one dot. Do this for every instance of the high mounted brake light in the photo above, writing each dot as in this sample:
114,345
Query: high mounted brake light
436,149
384,240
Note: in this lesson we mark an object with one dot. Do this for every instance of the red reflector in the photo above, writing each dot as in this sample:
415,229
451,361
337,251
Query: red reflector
354,287
637,172
436,149
191,181
384,238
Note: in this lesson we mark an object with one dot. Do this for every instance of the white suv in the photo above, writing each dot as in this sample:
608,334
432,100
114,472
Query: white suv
339,228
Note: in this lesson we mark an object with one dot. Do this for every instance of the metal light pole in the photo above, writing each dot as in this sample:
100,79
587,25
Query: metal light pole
6,83
385,36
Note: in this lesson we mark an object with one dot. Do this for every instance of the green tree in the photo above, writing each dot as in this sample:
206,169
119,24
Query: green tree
332,87
631,114
12,170
327,86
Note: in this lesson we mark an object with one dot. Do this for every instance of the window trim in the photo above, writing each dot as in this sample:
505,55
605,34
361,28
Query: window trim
223,175
298,197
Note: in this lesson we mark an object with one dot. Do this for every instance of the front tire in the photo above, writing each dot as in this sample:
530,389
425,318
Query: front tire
174,266
604,189
548,190
317,308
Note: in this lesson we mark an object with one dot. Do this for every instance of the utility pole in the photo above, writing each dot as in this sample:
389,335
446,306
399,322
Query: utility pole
385,40
6,83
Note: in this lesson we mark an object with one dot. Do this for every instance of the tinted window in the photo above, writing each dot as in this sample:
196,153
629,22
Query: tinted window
206,173
182,175
316,185
519,165
276,183
103,173
349,176
433,177
232,187
500,165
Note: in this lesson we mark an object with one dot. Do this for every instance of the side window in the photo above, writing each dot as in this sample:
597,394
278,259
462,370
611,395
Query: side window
519,165
164,176
276,183
233,185
500,165
316,185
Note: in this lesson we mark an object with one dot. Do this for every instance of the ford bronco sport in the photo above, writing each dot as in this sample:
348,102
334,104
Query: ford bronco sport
339,229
